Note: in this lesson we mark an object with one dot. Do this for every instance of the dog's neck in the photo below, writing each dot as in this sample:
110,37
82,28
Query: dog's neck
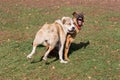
78,27
62,25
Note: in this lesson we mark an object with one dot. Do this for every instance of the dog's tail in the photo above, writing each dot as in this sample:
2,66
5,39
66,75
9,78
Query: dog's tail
32,43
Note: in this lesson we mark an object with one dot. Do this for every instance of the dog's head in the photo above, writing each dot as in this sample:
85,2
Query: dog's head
69,24
78,19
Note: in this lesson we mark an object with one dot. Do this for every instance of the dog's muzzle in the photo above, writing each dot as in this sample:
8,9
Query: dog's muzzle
72,30
79,21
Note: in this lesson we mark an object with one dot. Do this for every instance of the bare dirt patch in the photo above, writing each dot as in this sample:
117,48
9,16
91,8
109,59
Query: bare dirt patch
107,4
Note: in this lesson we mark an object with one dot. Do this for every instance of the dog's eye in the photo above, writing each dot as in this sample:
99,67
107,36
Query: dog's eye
74,23
69,23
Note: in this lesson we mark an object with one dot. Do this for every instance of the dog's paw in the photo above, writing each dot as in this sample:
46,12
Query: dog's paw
44,58
29,57
62,61
67,59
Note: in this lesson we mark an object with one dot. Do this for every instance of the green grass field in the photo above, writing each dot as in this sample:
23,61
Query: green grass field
100,60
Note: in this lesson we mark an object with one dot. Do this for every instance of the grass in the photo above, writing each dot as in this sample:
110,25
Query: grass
100,60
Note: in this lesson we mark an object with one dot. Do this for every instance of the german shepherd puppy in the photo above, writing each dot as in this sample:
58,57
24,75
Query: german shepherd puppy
78,19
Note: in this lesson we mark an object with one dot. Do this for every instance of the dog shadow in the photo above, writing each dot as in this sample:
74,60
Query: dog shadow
54,52
77,46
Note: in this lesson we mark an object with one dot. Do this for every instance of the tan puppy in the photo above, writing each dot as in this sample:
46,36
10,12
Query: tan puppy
78,22
50,34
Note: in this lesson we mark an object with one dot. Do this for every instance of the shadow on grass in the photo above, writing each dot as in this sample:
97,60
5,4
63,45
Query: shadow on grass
54,53
75,47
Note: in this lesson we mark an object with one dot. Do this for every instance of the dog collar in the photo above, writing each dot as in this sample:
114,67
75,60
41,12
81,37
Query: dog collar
79,27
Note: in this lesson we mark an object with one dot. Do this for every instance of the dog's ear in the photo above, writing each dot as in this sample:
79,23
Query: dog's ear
63,20
74,14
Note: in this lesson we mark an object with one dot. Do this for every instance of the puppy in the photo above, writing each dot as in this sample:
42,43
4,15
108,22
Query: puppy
78,22
50,34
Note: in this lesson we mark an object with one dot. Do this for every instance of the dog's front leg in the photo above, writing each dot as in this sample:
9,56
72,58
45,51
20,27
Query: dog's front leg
61,51
69,40
67,46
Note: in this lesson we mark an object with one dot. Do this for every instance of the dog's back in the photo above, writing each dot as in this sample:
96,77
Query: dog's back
49,34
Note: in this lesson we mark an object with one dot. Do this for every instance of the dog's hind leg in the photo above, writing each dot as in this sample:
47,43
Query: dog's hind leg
38,40
33,51
48,51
